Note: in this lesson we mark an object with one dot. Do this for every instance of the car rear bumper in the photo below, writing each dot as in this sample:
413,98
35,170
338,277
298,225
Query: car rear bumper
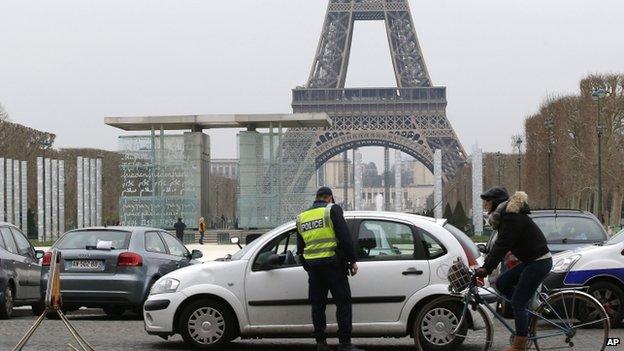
100,289
159,312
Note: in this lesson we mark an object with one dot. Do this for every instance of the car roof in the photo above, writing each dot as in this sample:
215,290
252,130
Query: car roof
9,224
395,215
561,211
118,228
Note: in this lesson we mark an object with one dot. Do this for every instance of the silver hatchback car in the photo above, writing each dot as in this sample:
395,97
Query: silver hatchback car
113,268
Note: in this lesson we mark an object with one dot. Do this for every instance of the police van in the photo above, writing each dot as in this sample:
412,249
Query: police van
600,267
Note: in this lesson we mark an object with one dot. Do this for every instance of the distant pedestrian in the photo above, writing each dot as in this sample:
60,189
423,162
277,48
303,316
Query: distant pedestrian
202,230
179,228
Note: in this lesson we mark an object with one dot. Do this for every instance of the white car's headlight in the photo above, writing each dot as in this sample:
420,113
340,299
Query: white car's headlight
164,286
564,264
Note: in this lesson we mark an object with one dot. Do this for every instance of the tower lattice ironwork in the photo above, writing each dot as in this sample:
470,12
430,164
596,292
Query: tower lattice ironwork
410,117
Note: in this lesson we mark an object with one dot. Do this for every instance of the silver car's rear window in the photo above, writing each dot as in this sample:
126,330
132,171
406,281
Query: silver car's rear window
570,230
81,239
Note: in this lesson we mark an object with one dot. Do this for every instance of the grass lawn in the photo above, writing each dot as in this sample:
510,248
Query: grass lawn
37,243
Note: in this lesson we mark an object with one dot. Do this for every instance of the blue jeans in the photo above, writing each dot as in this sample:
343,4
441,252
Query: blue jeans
519,285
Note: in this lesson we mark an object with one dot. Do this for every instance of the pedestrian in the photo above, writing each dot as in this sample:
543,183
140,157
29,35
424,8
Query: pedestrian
519,234
326,248
179,228
202,230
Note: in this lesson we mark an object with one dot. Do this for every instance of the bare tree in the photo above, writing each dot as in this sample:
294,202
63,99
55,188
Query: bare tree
4,115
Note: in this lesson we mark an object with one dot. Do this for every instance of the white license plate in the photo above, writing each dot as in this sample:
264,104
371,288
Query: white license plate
87,264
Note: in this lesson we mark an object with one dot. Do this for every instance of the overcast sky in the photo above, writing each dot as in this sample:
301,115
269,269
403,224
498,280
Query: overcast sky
65,65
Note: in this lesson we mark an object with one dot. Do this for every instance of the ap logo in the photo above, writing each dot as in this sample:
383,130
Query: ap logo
613,341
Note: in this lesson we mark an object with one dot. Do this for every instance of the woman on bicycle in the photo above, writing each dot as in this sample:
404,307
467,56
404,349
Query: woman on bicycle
519,234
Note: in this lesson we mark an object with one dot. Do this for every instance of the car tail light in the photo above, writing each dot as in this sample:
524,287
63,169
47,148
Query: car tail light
47,259
472,262
129,259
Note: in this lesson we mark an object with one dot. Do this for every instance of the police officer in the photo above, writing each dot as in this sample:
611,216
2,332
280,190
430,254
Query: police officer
328,256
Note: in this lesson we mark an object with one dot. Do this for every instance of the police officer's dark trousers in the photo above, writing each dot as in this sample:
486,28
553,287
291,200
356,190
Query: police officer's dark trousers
322,279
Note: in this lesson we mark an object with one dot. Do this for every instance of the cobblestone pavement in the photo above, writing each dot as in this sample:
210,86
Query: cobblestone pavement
126,333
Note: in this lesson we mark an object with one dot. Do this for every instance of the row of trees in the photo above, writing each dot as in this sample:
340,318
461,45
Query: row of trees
564,130
567,127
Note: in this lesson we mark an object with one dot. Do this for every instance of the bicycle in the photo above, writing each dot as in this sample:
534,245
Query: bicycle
564,318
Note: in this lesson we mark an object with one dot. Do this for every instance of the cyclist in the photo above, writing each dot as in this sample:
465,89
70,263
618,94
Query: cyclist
519,234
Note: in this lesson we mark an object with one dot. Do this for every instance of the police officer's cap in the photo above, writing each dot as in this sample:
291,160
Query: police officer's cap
324,191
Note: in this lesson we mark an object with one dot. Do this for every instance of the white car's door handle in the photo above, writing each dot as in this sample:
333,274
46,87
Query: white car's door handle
412,271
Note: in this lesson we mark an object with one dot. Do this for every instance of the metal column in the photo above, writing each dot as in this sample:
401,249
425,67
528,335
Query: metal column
437,183
54,199
357,182
79,193
92,192
398,189
40,201
345,179
2,185
9,190
98,192
386,178
477,189
61,196
47,200
24,197
86,198
16,193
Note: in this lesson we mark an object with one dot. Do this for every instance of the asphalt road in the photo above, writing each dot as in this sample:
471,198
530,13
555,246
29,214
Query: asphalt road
126,333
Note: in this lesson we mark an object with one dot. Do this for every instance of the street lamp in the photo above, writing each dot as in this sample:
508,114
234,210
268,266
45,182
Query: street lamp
549,124
597,95
517,142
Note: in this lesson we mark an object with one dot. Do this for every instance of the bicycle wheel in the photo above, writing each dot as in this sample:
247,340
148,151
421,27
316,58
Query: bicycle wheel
571,319
434,325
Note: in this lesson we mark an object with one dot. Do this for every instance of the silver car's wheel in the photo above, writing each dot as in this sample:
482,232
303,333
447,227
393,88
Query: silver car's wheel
437,326
206,325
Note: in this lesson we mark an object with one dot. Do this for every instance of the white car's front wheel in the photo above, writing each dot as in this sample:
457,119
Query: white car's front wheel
207,324
436,321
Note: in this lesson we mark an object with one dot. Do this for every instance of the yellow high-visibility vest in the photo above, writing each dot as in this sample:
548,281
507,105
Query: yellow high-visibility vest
317,230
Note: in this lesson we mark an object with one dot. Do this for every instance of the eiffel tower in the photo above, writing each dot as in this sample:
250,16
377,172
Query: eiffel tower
410,117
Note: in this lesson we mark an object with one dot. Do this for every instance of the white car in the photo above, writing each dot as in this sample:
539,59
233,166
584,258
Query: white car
262,290
599,267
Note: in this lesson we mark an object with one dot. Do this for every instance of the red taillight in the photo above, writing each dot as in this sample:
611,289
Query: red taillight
472,262
47,259
129,259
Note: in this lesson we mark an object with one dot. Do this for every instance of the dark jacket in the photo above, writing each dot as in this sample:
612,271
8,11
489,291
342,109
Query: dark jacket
179,228
516,233
345,249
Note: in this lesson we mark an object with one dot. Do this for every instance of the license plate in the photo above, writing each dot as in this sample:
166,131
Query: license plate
87,264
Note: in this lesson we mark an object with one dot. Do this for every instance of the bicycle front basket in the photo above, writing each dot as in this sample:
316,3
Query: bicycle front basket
458,276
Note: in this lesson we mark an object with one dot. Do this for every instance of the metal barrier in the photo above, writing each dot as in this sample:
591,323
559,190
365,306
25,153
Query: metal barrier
223,238
53,303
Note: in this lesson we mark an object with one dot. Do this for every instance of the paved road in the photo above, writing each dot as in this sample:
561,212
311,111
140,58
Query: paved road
126,333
